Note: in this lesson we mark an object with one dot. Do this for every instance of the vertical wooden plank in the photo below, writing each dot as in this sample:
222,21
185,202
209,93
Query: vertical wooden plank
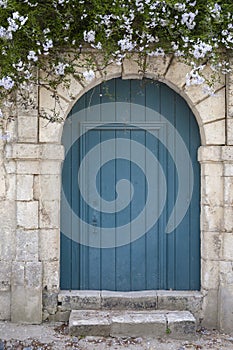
108,99
152,100
108,188
138,180
122,89
93,104
123,256
137,88
194,217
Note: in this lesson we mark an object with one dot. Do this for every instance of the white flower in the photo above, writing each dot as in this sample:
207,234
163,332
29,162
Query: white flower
1,114
48,44
32,56
126,44
89,36
7,83
3,3
179,6
89,75
60,68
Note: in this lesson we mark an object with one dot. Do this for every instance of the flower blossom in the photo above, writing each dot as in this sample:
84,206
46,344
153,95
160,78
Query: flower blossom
89,75
32,56
89,36
7,83
60,68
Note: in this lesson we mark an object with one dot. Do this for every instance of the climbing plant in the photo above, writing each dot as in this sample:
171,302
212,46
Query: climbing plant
46,42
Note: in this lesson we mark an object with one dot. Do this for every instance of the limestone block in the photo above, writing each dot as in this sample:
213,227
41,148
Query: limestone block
177,72
5,276
213,107
24,189
214,133
50,105
30,107
230,131
181,324
211,245
50,167
36,188
27,129
228,169
7,229
18,273
210,274
49,245
130,301
49,214
26,305
228,219
132,68
2,182
227,248
27,245
11,187
70,90
210,309
156,66
225,309
212,169
10,167
79,300
51,275
33,275
28,167
27,214
50,302
228,190
226,275
52,152
109,70
210,154
50,132
212,190
227,153
24,151
5,306
211,218
50,187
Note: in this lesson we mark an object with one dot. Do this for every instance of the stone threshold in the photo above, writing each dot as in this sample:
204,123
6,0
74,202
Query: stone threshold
139,300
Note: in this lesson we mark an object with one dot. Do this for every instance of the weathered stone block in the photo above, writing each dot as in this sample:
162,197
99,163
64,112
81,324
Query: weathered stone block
27,129
51,275
228,190
18,273
50,132
228,169
211,218
27,214
228,218
49,187
50,167
156,67
181,324
210,308
24,189
225,272
7,229
52,152
212,169
227,246
50,302
11,187
230,131
132,68
10,167
26,305
28,167
136,324
225,309
5,306
176,73
71,90
33,275
49,214
212,190
49,245
25,151
27,245
78,300
213,107
211,245
129,300
210,274
227,153
214,133
210,154
5,276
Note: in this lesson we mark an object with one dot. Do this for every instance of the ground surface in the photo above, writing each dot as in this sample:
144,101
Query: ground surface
55,337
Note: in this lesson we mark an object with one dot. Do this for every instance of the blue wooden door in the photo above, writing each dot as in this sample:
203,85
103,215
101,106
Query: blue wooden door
125,142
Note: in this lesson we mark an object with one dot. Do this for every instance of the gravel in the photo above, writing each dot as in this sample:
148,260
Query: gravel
50,336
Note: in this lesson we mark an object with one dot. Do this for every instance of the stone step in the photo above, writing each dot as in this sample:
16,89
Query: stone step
128,323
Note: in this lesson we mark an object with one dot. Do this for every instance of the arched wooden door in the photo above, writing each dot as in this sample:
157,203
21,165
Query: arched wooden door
110,137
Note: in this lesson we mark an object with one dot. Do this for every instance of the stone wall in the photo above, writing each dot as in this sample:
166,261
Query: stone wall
30,180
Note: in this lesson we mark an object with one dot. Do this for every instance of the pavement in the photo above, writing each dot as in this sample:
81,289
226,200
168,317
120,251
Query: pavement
54,336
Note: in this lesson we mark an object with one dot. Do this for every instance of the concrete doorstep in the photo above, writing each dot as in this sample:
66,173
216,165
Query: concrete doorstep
174,324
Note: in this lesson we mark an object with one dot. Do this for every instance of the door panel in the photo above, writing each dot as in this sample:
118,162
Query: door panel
156,259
